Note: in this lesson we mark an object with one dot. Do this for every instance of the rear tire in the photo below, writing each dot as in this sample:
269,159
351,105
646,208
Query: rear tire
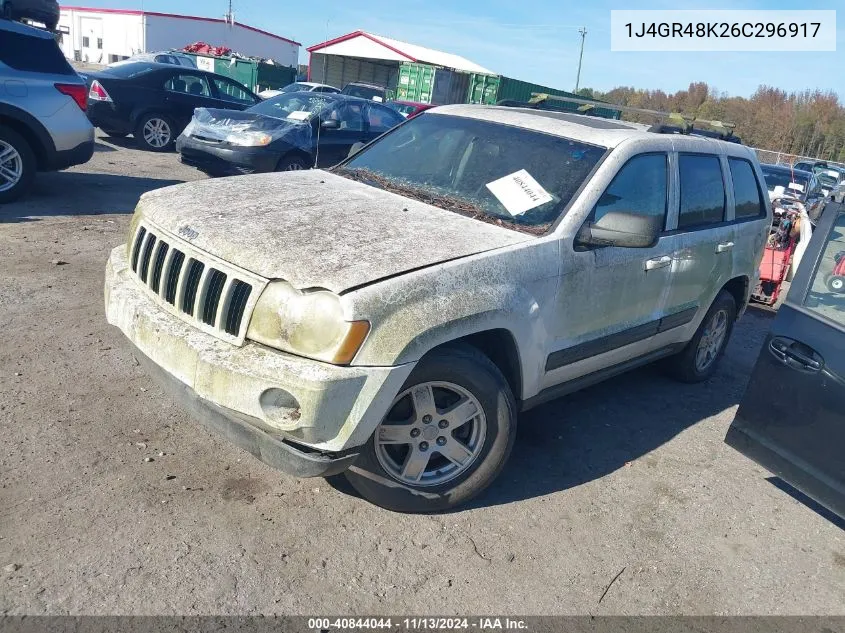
155,133
700,358
17,165
472,418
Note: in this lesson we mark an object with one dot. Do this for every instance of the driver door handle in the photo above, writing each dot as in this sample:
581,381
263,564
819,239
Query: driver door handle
724,247
790,354
658,262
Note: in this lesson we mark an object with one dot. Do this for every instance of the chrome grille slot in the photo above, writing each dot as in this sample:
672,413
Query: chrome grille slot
192,285
195,286
176,261
158,265
146,255
237,304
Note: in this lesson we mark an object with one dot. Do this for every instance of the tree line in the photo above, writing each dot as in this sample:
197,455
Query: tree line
808,123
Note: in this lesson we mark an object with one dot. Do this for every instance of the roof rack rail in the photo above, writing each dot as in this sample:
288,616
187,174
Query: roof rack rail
666,122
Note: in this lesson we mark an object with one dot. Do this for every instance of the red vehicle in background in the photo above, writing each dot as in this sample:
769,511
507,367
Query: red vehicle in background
409,109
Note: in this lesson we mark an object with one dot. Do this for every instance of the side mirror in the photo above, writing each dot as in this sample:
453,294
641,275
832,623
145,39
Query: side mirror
355,149
330,124
623,229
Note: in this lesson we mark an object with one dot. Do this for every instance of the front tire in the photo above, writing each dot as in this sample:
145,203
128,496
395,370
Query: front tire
445,438
292,162
155,133
17,165
700,358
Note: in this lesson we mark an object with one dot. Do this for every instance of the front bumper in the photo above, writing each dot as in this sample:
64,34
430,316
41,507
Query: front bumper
224,159
301,416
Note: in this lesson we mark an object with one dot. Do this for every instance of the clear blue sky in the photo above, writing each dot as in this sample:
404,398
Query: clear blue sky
537,40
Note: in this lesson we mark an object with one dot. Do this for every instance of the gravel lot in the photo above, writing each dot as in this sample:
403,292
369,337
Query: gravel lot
629,477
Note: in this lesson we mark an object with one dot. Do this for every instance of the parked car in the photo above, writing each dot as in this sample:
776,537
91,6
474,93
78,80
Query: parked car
42,109
299,86
409,109
791,419
365,91
44,11
828,179
390,317
801,185
290,132
161,57
154,102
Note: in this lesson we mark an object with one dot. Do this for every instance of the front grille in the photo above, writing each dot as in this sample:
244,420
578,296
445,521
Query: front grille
212,295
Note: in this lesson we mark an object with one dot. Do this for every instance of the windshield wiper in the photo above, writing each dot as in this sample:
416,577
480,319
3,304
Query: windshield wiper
446,202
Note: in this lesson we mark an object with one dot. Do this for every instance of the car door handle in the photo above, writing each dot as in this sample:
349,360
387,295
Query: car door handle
724,247
791,354
658,262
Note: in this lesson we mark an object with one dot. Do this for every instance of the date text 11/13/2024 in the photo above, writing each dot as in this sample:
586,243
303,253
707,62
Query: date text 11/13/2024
418,624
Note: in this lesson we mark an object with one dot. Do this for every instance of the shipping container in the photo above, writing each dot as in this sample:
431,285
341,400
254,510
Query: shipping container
255,75
490,89
424,83
338,71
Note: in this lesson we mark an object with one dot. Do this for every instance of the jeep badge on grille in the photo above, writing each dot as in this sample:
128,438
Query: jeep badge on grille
187,232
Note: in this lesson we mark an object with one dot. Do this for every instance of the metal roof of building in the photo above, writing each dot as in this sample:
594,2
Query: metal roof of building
370,46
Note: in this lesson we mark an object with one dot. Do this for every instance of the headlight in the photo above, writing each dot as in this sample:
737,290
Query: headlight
249,139
306,323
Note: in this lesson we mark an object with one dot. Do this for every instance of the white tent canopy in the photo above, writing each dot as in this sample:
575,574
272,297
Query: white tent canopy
369,46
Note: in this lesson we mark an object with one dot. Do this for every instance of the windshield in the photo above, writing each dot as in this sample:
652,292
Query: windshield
826,181
364,92
295,88
781,178
491,172
295,106
129,69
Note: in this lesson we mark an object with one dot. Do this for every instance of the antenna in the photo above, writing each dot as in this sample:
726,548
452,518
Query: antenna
319,112
583,32
230,16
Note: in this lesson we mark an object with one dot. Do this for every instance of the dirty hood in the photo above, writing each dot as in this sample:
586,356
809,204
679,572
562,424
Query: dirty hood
317,230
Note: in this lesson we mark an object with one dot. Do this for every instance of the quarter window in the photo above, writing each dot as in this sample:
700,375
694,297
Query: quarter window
826,296
748,199
702,191
640,187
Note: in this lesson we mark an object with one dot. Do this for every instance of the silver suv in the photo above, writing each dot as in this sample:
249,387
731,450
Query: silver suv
43,126
390,318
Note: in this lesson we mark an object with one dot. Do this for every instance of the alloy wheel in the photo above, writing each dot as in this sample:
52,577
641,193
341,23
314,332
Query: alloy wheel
157,132
433,432
11,166
711,341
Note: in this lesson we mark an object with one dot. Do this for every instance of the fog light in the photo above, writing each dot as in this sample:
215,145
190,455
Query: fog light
280,407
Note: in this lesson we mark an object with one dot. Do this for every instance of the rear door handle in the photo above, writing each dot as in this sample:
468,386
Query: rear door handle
724,247
658,262
795,355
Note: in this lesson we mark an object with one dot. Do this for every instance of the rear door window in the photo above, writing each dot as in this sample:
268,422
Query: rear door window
33,54
382,119
231,91
747,195
188,84
702,191
640,187
826,296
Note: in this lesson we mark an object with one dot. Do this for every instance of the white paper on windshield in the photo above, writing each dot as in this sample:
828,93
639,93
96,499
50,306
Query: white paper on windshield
377,98
518,192
797,186
299,115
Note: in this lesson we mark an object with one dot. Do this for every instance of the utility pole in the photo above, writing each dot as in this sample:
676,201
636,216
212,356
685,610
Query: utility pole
230,17
583,32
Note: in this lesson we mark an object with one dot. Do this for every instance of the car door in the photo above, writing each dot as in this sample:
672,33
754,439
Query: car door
611,303
791,419
704,241
340,128
231,95
183,92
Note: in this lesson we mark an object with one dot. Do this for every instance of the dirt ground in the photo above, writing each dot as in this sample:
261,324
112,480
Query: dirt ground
630,478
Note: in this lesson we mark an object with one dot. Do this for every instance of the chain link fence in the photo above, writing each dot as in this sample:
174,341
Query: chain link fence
783,158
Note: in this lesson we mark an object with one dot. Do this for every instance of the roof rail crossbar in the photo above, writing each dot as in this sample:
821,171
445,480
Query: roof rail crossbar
665,122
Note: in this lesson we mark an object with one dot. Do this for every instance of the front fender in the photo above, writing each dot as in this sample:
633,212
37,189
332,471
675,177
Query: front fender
415,313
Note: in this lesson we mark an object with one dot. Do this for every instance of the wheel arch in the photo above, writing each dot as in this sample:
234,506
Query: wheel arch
32,130
739,289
